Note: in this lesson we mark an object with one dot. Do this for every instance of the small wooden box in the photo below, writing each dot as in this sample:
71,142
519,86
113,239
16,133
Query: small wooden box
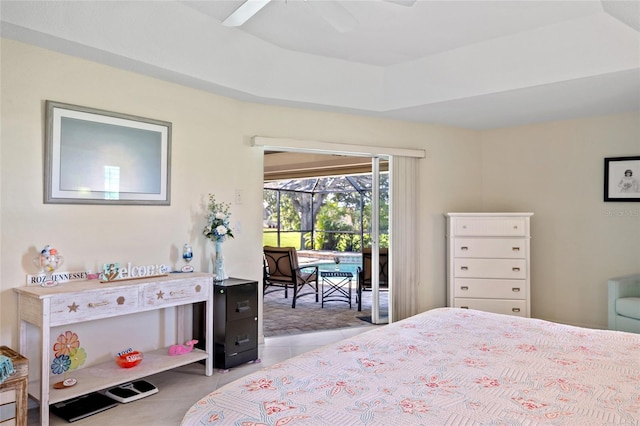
14,389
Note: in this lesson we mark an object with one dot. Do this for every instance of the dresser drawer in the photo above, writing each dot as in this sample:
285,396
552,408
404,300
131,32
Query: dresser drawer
490,268
172,293
90,305
507,307
489,289
505,248
491,226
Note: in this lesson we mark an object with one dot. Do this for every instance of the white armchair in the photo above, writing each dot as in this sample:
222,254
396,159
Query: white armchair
624,303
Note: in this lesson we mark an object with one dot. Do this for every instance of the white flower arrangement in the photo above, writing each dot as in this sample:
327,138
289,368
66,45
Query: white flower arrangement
217,228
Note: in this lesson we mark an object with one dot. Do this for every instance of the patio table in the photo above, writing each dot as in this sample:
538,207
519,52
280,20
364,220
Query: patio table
338,286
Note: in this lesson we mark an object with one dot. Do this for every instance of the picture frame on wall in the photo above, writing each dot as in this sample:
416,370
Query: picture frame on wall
622,179
94,156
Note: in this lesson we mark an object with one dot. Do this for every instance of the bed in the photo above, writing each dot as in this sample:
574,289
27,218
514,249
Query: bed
446,366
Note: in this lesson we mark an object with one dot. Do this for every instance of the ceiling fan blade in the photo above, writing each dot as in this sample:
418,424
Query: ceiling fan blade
243,13
336,15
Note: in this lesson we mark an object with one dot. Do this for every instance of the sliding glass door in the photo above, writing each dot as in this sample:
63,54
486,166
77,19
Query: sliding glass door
380,238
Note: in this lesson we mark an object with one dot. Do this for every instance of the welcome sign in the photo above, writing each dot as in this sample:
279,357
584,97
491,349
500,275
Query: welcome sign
110,272
115,272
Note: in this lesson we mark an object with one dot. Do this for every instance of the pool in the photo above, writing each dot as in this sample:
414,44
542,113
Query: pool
349,261
343,267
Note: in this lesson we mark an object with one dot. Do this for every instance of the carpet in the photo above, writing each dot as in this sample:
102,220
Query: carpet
308,316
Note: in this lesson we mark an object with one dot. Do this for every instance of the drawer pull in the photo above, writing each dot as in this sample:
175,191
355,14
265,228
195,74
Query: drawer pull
464,248
176,293
516,289
242,341
97,304
464,268
464,307
464,287
242,306
515,269
515,248
515,309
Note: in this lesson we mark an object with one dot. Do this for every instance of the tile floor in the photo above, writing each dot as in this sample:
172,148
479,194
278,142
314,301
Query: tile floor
182,387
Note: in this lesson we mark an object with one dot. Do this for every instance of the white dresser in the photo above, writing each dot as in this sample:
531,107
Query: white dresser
488,262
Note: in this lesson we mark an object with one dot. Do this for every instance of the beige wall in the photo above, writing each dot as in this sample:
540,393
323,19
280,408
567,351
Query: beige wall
553,170
210,153
578,241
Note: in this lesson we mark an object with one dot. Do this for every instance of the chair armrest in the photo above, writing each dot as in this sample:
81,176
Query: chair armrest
315,274
627,286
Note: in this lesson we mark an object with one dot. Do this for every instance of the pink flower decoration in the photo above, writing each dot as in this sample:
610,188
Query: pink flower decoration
488,382
529,404
413,406
65,343
272,407
260,384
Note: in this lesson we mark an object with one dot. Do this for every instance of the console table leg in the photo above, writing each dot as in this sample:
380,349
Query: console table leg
209,335
45,339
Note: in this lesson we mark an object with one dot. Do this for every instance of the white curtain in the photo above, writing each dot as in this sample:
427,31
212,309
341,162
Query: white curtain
405,255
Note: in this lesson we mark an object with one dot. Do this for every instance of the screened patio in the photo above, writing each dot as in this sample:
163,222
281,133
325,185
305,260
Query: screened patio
324,216
325,219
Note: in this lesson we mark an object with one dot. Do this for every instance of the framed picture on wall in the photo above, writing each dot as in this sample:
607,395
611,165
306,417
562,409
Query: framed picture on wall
100,157
622,179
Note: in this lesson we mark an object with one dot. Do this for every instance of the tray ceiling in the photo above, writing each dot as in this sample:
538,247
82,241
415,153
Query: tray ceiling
472,64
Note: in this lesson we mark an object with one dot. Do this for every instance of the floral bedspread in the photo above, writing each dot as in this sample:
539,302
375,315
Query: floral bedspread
444,367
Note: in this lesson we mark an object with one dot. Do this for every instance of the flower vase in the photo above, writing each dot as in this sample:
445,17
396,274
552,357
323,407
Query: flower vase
218,264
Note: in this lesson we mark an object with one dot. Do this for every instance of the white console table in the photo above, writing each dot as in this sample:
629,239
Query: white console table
80,301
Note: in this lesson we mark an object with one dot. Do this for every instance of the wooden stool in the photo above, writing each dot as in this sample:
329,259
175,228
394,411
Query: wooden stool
15,388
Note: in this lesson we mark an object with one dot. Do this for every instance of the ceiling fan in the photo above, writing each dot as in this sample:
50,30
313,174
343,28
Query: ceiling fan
335,14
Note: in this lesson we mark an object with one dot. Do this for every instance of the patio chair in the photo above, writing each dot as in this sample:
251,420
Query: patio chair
364,273
281,271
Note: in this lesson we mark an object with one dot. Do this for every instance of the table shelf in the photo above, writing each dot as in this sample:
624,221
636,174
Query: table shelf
108,374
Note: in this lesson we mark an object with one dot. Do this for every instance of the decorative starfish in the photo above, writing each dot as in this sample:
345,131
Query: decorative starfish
73,307
160,294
